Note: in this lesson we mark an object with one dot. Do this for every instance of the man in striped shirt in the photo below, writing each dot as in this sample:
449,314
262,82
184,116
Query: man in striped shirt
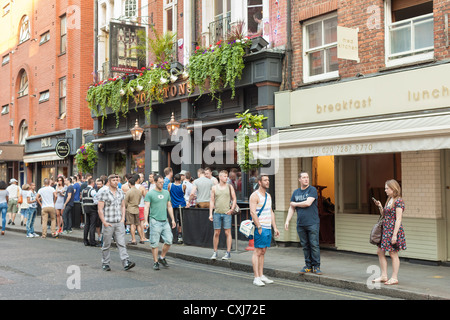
263,219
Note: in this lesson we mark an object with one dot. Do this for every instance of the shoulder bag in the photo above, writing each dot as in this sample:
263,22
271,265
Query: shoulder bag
247,228
236,209
19,196
377,231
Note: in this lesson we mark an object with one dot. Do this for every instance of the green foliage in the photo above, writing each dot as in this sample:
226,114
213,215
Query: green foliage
249,131
86,158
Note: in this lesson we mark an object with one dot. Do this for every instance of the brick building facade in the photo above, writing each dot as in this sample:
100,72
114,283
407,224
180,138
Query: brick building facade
46,51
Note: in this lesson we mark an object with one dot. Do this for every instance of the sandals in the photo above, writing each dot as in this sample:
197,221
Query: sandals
132,242
380,280
391,282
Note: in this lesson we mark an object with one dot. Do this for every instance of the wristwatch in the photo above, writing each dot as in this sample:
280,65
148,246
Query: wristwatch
259,227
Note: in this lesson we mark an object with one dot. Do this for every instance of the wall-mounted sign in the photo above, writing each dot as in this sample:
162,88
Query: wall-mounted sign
122,45
347,43
62,149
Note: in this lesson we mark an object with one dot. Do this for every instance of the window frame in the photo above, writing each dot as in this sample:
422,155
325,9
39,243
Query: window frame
23,88
5,59
45,37
63,34
169,5
5,109
414,56
44,96
62,98
323,47
24,37
126,8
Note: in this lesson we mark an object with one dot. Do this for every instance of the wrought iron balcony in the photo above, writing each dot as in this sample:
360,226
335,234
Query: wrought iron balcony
218,29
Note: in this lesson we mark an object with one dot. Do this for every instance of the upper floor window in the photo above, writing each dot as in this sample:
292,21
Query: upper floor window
23,132
5,59
320,49
5,109
63,32
169,18
44,96
222,20
410,26
130,8
62,97
23,85
255,17
44,38
25,31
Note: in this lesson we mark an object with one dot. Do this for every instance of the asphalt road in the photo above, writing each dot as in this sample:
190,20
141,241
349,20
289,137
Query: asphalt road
57,269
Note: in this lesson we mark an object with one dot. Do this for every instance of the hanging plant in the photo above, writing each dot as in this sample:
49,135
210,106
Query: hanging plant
86,158
249,131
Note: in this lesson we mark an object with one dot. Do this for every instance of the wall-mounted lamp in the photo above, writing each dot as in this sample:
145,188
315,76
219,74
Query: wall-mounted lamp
172,126
137,131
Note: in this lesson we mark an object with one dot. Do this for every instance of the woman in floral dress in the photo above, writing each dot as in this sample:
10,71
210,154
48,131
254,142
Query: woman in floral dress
393,237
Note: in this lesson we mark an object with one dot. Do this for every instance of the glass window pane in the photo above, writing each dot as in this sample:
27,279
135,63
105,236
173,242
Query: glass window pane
332,60
218,7
316,63
400,38
330,30
314,35
169,13
423,34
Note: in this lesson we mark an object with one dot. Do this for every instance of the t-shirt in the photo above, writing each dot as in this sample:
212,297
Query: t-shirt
166,183
77,190
310,215
204,186
70,189
177,196
158,203
46,194
25,195
12,190
3,195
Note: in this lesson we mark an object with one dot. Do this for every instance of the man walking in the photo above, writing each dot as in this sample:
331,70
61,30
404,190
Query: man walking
13,205
46,198
69,199
263,219
304,200
132,201
221,196
111,211
89,203
158,201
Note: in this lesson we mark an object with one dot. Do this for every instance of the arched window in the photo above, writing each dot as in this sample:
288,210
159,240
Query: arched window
23,132
25,31
130,8
23,85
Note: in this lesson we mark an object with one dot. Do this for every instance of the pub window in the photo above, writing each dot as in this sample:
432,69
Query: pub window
410,26
62,97
25,31
63,33
23,85
320,43
364,177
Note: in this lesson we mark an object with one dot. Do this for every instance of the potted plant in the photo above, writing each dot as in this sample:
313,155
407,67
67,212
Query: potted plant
86,158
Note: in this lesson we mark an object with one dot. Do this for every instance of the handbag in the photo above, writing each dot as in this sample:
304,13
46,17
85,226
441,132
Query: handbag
19,196
247,228
376,233
236,209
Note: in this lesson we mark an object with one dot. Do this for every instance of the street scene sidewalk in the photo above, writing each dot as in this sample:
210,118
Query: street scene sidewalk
353,271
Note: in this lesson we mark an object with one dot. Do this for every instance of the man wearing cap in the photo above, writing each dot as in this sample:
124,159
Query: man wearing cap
14,192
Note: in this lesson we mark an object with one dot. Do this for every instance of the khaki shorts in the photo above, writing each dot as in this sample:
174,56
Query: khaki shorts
132,219
12,206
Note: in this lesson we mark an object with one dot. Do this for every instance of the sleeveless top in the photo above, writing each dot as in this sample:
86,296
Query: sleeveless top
265,217
222,199
177,196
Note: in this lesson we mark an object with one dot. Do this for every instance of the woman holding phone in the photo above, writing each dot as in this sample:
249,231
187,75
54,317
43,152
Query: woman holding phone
393,236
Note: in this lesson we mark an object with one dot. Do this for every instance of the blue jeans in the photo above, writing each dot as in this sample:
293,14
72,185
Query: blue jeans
3,209
309,240
31,215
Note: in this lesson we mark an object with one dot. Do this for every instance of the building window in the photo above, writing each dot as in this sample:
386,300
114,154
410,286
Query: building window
44,96
5,109
25,31
169,16
5,59
44,38
63,30
221,25
23,85
362,180
130,8
62,97
320,43
254,17
23,132
410,36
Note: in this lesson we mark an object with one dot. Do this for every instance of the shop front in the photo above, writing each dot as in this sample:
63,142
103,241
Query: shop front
11,161
51,155
355,135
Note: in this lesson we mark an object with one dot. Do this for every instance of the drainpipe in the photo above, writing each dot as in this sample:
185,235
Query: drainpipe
289,46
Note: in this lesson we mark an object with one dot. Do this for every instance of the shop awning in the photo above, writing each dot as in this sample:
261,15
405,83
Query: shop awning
413,133
39,157
11,152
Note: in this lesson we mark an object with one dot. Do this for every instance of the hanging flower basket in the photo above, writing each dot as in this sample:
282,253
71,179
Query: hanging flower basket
86,158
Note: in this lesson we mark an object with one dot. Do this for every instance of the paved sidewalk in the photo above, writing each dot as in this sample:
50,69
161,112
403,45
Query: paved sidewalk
417,281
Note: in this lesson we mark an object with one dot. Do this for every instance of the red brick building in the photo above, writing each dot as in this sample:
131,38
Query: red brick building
47,58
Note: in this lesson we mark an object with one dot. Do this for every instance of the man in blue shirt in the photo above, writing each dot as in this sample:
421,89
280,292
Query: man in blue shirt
304,201
168,172
69,199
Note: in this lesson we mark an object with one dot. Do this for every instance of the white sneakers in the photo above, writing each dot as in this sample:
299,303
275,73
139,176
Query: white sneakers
261,281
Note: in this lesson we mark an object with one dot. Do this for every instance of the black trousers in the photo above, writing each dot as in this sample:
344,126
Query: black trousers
91,215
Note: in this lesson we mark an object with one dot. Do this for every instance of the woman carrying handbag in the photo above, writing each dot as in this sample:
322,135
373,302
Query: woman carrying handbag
393,236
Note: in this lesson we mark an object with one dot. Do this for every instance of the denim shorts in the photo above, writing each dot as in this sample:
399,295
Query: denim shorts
264,239
220,219
160,229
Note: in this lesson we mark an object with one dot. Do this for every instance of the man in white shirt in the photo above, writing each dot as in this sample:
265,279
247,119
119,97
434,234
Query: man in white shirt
13,207
46,198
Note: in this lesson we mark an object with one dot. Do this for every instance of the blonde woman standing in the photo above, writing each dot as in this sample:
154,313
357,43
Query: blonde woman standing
393,237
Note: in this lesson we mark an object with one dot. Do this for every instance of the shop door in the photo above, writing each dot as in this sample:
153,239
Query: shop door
447,199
